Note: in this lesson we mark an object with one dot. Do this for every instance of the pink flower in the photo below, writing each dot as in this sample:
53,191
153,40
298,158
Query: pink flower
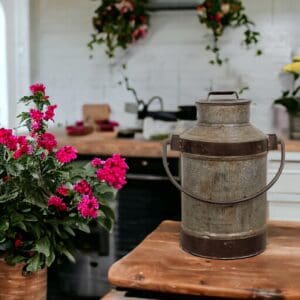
124,6
82,187
11,142
66,154
4,135
37,87
63,190
113,171
140,32
47,141
36,115
49,113
35,126
58,203
22,148
96,162
88,207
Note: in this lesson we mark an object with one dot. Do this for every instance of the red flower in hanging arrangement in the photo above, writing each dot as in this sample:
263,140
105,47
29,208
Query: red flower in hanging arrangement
218,15
119,23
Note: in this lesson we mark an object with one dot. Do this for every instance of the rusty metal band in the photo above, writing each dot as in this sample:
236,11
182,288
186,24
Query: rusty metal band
218,149
221,248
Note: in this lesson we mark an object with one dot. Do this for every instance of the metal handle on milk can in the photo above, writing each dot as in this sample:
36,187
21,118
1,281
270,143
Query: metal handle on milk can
260,192
218,93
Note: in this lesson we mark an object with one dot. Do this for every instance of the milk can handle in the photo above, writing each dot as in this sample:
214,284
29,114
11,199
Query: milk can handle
182,189
223,93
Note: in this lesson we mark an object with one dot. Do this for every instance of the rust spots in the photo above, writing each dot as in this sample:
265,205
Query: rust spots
139,276
273,294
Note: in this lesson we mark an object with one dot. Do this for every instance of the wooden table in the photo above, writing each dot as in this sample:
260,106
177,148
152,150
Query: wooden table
106,143
159,264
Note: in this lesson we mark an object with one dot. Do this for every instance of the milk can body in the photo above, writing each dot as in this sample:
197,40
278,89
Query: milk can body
223,178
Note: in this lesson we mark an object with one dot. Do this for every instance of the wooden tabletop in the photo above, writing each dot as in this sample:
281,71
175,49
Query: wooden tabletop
159,264
106,143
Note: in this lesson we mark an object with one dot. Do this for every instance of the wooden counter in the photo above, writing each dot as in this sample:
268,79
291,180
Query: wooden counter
107,143
100,143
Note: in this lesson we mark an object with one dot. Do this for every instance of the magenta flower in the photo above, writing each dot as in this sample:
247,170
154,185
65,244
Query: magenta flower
113,171
23,147
63,190
83,187
58,203
96,162
66,154
88,207
4,135
47,141
37,87
49,113
36,115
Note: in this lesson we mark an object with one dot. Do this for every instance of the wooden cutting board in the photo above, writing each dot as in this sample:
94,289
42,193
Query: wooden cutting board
159,264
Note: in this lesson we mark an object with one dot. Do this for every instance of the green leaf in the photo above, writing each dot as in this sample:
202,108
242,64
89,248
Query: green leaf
83,227
43,246
34,263
7,197
68,254
13,260
4,225
108,211
69,230
50,259
5,246
31,218
106,223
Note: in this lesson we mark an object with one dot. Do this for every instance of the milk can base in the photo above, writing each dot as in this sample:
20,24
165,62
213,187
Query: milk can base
223,249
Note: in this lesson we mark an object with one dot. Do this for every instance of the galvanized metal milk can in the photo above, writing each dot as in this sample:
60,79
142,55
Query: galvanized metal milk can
223,180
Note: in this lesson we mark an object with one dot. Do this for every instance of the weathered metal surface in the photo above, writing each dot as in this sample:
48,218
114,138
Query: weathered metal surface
223,158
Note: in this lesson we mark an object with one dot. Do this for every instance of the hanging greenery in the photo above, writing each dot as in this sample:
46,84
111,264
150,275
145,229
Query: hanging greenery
218,15
119,24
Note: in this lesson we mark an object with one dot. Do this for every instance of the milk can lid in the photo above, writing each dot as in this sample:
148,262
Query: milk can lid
224,101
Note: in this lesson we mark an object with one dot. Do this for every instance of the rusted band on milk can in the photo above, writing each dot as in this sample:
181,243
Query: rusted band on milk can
223,249
218,149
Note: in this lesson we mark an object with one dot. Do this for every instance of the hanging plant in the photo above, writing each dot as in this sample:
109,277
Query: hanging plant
218,15
119,24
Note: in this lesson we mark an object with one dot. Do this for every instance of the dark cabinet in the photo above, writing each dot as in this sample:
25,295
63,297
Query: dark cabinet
147,199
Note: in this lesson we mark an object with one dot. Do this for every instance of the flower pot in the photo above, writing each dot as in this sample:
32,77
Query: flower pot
14,285
295,127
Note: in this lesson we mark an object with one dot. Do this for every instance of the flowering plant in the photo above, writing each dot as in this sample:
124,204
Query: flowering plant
290,98
217,15
119,23
44,199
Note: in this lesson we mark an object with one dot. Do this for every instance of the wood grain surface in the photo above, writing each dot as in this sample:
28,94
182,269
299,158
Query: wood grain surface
159,264
106,143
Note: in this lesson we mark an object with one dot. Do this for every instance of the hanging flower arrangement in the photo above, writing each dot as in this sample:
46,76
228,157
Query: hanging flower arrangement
119,24
218,15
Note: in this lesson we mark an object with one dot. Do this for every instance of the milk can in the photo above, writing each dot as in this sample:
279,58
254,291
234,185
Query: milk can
223,180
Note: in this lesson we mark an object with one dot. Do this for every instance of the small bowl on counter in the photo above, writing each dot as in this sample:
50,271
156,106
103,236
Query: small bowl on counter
106,125
79,129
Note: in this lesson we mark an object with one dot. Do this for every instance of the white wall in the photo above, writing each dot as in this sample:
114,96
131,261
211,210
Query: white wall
3,71
171,62
17,54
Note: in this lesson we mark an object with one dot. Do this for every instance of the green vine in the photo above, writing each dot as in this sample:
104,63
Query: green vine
218,15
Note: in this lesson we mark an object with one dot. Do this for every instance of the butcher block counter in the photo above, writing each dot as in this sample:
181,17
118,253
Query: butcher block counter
106,143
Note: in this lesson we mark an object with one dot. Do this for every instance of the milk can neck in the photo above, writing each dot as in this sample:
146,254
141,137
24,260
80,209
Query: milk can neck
223,111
